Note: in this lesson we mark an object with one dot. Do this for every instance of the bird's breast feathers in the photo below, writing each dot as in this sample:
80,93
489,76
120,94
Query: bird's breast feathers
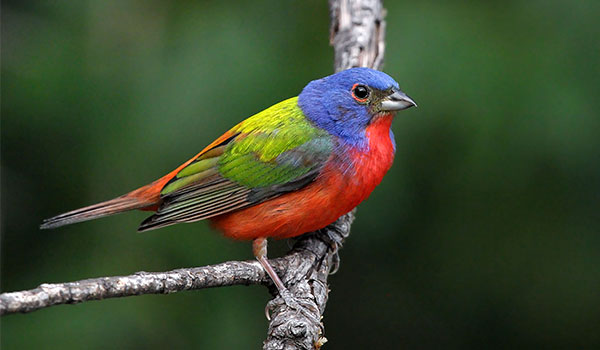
370,164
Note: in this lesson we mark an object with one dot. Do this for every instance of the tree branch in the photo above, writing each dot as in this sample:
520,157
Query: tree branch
220,275
304,270
357,34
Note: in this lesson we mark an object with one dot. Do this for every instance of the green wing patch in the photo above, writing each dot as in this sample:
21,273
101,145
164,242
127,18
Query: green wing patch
271,153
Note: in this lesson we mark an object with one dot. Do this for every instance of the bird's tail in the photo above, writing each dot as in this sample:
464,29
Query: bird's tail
110,207
146,197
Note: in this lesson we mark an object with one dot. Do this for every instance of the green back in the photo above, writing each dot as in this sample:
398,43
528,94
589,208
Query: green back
261,157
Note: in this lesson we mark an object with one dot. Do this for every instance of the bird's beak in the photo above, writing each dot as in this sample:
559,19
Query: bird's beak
397,101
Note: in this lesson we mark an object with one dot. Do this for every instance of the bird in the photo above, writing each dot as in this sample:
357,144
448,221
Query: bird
290,169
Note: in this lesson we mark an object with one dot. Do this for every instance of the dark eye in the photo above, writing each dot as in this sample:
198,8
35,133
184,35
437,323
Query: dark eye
360,93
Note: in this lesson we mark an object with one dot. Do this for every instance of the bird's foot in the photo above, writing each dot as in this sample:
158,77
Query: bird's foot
306,308
335,243
286,298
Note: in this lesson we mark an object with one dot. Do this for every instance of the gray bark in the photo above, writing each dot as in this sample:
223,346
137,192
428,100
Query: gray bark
220,275
357,34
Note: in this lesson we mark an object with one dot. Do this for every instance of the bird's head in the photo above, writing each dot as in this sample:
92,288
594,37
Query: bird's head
345,103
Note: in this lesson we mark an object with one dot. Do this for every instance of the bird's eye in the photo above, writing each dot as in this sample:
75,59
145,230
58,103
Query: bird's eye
360,93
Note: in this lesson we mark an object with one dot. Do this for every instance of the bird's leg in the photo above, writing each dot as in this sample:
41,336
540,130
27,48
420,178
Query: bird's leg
259,248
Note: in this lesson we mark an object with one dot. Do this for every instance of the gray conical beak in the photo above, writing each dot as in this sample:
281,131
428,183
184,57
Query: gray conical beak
397,101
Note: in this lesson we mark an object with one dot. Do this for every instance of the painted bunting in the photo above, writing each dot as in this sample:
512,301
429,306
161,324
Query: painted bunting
290,169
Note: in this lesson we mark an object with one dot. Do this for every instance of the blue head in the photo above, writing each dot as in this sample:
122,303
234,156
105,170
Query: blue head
346,102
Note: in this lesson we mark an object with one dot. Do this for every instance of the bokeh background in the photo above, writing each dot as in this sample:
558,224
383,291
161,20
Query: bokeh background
485,233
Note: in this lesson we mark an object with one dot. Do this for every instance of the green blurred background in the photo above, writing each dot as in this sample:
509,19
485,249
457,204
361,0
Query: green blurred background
485,233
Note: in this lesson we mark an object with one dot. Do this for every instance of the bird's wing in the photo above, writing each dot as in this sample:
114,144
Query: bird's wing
269,154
